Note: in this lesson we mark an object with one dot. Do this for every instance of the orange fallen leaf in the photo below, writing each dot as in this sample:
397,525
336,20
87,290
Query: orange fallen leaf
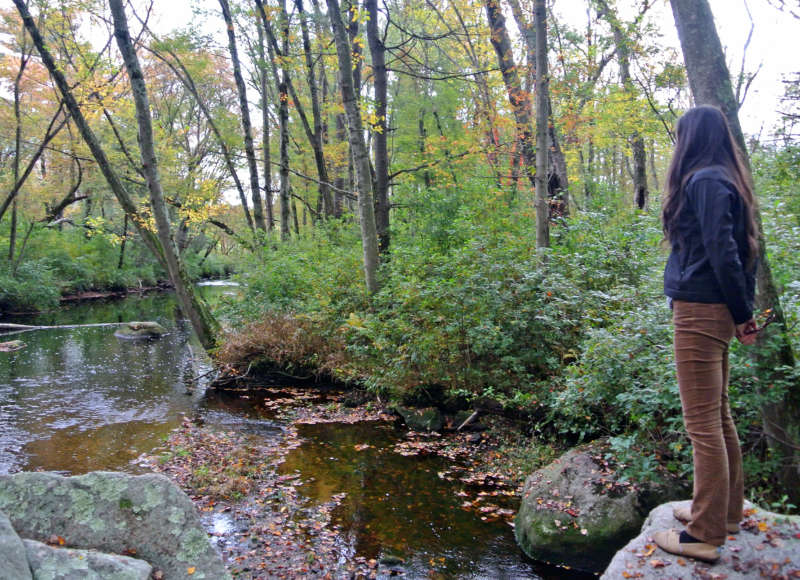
190,570
763,526
657,563
681,562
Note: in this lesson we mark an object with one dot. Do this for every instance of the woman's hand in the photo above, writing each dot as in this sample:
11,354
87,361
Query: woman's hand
747,332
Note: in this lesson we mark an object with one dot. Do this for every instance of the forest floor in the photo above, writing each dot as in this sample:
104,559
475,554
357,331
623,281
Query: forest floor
269,528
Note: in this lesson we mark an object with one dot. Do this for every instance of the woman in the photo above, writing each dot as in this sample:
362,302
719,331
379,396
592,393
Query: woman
708,218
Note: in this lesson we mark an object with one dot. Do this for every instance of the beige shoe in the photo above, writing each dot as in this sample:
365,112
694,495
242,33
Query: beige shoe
683,514
670,541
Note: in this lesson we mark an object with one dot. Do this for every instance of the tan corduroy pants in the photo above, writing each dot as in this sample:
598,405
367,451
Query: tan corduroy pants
702,335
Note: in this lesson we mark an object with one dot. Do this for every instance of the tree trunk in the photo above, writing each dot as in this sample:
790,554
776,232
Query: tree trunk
710,83
519,99
267,161
203,323
542,111
640,190
369,237
247,128
558,181
380,130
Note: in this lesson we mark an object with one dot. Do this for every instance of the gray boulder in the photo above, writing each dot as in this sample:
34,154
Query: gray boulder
141,330
576,512
13,562
50,563
422,419
117,513
767,547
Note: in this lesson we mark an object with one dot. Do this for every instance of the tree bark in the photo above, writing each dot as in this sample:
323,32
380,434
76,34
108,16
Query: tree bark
193,308
369,237
380,130
518,98
265,144
542,112
247,127
710,83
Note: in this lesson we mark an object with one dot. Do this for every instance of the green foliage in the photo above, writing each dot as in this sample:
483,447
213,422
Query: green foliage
32,287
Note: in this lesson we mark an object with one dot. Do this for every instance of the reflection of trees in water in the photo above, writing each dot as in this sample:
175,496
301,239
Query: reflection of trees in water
83,399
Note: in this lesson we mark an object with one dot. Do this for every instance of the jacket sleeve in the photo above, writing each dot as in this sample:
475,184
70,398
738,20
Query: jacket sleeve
713,202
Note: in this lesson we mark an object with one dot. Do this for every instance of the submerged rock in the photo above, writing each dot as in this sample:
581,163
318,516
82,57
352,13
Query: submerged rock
576,512
68,564
12,345
767,547
141,330
117,513
13,562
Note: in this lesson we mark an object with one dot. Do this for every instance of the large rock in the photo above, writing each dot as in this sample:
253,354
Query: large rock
576,512
66,564
13,562
767,547
113,512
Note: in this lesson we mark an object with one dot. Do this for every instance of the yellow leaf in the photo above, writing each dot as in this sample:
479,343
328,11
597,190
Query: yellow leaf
190,570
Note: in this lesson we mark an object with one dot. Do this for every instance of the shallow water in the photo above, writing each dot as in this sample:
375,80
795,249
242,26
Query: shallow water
77,400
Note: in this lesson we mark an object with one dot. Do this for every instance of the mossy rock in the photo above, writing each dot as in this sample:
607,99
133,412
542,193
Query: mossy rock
425,419
577,512
141,330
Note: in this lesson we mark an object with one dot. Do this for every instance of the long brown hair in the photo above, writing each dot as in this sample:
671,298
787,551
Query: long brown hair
703,140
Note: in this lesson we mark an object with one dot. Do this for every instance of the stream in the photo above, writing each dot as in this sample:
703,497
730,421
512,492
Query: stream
78,400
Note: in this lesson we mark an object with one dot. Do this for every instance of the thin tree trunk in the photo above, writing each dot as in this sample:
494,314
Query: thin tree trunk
193,308
23,63
265,144
558,181
121,261
542,111
317,134
380,133
710,83
247,128
636,141
369,236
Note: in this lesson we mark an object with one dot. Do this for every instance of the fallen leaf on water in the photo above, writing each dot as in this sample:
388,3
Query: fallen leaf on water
681,562
649,549
190,570
657,563
763,526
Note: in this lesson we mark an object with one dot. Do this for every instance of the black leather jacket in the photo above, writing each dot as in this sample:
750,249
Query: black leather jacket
708,256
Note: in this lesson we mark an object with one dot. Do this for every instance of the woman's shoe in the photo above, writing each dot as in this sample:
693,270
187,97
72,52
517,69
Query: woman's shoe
670,541
683,513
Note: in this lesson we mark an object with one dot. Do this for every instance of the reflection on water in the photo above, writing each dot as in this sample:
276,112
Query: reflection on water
80,399
77,400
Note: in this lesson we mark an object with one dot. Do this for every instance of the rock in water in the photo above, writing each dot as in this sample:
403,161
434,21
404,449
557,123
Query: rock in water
576,512
117,513
67,564
767,547
13,562
12,345
141,330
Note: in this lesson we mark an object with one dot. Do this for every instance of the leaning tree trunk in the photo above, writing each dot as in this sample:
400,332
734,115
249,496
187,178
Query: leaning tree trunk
710,83
379,137
203,323
518,98
247,127
542,110
369,236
